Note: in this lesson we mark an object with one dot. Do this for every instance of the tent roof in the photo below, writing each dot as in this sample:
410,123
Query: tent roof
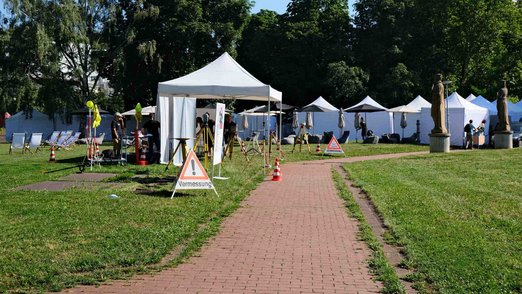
223,78
366,105
483,102
456,101
403,109
418,103
319,105
471,97
258,111
144,111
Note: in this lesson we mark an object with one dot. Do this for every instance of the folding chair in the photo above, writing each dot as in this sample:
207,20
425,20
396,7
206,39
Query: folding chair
64,135
34,142
70,140
53,138
99,139
18,142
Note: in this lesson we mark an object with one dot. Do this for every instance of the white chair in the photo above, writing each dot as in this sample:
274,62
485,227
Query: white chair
34,142
53,138
70,140
99,139
18,142
64,135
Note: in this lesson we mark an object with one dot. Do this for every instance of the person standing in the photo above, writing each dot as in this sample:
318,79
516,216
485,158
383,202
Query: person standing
229,128
469,129
364,130
152,128
117,128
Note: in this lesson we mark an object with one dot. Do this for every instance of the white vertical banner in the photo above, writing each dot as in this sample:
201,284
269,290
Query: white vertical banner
218,133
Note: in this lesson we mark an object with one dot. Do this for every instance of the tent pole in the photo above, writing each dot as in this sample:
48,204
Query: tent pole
269,135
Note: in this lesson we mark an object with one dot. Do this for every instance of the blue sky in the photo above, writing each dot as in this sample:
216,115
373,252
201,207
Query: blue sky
278,6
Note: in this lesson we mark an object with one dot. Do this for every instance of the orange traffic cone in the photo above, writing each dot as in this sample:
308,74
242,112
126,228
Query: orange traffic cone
277,176
52,158
318,148
143,157
97,153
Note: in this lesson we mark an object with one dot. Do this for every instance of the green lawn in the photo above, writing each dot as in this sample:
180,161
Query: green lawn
52,240
459,216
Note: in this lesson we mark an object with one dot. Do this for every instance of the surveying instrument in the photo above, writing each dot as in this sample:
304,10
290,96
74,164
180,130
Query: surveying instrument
208,138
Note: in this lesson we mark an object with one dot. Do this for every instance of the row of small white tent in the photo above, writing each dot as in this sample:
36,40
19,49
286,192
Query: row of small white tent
459,112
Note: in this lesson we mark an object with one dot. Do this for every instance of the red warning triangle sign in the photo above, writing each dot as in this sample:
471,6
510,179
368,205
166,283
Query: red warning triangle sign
193,176
334,146
192,169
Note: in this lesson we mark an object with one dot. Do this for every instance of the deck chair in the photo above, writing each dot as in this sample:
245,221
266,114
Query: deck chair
64,135
71,140
18,142
99,140
53,138
34,142
344,138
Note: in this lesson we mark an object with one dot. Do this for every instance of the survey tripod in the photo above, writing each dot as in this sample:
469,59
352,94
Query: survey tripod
208,140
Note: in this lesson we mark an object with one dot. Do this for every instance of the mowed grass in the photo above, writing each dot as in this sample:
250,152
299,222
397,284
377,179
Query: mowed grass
51,240
458,215
350,149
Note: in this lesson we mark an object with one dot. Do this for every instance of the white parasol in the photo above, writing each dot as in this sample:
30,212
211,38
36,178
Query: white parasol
404,123
295,120
356,123
309,120
341,122
245,122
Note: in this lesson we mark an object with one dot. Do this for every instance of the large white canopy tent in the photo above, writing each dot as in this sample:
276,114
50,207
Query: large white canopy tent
223,78
459,112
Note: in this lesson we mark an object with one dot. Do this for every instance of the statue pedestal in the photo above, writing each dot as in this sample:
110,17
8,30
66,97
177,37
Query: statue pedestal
504,140
440,143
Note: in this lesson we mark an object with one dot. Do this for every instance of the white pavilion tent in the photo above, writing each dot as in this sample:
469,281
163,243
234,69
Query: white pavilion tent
223,78
483,102
459,112
471,97
415,105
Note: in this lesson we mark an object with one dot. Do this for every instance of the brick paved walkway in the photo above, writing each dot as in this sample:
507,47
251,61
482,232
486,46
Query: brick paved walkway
288,237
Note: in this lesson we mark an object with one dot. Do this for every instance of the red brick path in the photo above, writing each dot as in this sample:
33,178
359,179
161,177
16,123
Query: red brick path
292,236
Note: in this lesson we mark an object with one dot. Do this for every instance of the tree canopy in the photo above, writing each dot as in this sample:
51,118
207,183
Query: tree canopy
56,54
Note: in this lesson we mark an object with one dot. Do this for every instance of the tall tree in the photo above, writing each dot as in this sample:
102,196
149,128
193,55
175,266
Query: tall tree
179,37
297,47
62,50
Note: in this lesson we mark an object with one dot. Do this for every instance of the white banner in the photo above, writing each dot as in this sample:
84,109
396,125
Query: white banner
218,133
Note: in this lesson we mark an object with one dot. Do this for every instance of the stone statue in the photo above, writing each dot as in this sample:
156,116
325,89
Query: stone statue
502,110
437,106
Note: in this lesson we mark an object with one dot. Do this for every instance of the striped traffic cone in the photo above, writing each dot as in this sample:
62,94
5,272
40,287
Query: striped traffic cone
277,176
52,158
143,157
318,148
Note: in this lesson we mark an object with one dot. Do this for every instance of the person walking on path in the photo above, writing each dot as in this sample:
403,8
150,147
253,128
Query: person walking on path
469,129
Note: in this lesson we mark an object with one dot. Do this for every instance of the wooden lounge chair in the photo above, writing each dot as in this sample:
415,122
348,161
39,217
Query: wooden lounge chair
34,142
53,138
18,142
